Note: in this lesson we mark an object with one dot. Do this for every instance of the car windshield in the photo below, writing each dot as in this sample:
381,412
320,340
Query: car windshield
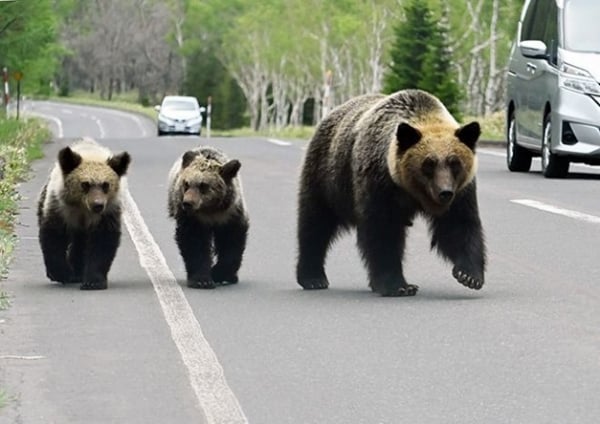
178,105
582,32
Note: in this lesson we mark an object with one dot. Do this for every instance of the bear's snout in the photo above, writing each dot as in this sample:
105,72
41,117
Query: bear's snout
187,205
97,206
445,196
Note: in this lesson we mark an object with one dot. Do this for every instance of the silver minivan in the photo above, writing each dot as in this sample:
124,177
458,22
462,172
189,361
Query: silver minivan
553,90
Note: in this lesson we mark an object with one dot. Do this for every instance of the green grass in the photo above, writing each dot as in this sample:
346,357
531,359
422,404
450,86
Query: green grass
20,143
3,398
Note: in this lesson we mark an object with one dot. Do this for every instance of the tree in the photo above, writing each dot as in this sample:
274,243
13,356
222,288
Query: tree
438,74
412,38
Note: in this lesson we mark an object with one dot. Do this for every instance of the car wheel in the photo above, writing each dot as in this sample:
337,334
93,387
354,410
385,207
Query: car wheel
553,166
159,133
518,159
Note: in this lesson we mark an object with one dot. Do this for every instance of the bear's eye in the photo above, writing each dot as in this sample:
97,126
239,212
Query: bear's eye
203,188
105,187
454,164
186,186
428,166
85,186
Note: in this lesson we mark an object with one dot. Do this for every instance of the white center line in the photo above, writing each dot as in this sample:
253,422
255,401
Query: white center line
558,211
279,142
216,399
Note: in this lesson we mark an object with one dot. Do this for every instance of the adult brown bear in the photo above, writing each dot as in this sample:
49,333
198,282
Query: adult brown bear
375,163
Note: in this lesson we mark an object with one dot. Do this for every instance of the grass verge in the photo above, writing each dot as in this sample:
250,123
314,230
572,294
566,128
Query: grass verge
20,144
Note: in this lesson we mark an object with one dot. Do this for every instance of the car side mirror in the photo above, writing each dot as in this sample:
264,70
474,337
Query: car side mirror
534,49
157,108
202,109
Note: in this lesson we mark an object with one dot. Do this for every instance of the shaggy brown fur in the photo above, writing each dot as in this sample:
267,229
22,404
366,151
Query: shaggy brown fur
206,201
375,163
79,214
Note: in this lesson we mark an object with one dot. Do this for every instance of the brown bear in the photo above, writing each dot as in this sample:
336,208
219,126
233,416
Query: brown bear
376,162
79,214
205,198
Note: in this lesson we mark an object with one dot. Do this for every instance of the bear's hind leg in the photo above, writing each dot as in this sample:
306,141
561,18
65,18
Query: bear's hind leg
54,241
458,237
317,226
195,246
230,243
101,249
381,241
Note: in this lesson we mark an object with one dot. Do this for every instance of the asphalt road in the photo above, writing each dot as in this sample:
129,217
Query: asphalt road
525,349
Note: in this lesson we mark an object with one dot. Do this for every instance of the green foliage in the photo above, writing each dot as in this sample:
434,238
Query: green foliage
438,73
20,143
421,56
28,43
412,38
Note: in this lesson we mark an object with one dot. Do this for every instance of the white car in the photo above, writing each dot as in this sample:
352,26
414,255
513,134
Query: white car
179,115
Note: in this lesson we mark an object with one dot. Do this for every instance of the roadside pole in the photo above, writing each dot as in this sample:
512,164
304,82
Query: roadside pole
18,75
6,95
208,108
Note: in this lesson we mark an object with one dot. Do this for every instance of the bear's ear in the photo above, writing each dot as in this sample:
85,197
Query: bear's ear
187,158
68,160
120,163
230,169
407,136
469,134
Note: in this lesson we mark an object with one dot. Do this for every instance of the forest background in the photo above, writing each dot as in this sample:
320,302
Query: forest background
267,64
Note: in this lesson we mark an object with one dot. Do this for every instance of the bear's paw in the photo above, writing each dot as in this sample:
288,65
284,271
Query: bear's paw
466,279
222,275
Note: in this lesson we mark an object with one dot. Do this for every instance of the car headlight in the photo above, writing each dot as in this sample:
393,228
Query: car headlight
162,119
194,121
577,79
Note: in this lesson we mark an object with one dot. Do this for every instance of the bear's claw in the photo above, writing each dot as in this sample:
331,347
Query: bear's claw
314,283
207,284
466,279
403,291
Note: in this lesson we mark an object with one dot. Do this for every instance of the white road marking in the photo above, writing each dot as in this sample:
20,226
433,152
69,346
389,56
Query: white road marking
23,357
279,142
492,152
54,119
558,211
216,399
99,123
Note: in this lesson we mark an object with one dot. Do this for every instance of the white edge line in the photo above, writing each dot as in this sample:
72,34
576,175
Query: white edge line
558,211
279,142
215,397
54,119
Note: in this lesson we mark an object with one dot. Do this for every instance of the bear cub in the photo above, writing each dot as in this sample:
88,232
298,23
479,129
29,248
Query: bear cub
79,214
376,162
205,199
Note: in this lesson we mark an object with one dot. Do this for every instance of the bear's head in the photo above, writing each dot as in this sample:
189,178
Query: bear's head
434,161
205,185
93,184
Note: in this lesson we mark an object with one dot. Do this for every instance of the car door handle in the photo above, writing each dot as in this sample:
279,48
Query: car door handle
531,67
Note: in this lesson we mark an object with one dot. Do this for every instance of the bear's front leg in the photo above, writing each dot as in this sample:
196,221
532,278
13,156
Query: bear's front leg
194,240
101,249
381,241
54,241
458,236
76,256
230,243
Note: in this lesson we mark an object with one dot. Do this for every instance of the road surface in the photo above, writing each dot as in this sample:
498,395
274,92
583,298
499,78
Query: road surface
525,349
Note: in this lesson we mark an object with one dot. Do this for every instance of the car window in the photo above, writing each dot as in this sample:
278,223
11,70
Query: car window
551,31
533,24
581,29
178,105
